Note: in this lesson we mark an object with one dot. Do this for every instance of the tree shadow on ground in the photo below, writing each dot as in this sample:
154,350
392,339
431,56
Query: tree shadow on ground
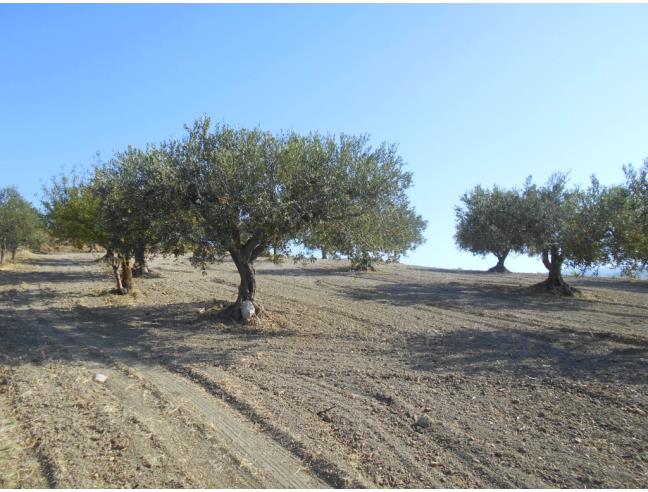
522,353
174,334
16,277
312,271
11,277
42,260
637,286
20,297
464,295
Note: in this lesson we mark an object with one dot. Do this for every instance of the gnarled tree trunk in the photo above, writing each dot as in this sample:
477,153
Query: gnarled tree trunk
123,279
500,268
13,254
553,261
141,266
324,254
244,260
126,275
247,287
114,263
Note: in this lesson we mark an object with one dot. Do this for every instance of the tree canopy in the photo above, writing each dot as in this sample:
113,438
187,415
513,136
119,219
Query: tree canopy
566,226
383,233
629,203
491,222
133,189
246,189
20,223
73,211
563,225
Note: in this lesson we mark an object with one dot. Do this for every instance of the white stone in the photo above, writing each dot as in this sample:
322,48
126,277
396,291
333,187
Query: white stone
247,310
100,378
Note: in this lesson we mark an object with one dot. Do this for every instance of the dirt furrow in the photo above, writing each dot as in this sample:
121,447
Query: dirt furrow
268,462
519,389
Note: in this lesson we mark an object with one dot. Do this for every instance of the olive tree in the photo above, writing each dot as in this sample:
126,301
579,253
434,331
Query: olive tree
19,222
133,192
490,222
629,203
385,232
247,189
565,227
72,212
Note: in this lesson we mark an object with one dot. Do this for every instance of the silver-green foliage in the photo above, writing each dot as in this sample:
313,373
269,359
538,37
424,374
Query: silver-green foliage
247,189
491,222
629,202
572,225
19,222
133,192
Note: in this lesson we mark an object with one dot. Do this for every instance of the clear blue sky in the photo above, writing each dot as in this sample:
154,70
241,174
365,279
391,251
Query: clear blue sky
471,93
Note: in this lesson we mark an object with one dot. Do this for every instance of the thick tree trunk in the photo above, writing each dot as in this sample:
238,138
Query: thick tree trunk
247,286
115,266
2,255
126,275
141,266
244,261
324,254
500,268
553,261
545,259
13,254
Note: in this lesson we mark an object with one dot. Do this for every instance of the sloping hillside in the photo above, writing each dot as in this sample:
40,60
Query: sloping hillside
408,377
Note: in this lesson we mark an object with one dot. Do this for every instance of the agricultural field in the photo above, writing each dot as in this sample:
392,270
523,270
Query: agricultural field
404,377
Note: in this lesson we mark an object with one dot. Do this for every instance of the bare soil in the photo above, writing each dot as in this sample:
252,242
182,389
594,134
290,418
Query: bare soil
407,377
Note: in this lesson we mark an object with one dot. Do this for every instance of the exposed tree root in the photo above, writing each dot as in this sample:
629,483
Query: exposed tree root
119,292
498,269
556,287
232,313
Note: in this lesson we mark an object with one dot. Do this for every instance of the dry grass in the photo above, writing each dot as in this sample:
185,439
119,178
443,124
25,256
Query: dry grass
18,466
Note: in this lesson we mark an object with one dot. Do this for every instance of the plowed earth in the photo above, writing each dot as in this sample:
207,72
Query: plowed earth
408,377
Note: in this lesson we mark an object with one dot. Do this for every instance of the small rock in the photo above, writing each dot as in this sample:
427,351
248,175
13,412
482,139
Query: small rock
100,378
201,310
577,440
423,421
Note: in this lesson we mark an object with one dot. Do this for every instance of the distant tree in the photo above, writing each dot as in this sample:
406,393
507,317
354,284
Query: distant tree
73,212
491,221
133,192
19,223
566,227
629,203
249,189
384,233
